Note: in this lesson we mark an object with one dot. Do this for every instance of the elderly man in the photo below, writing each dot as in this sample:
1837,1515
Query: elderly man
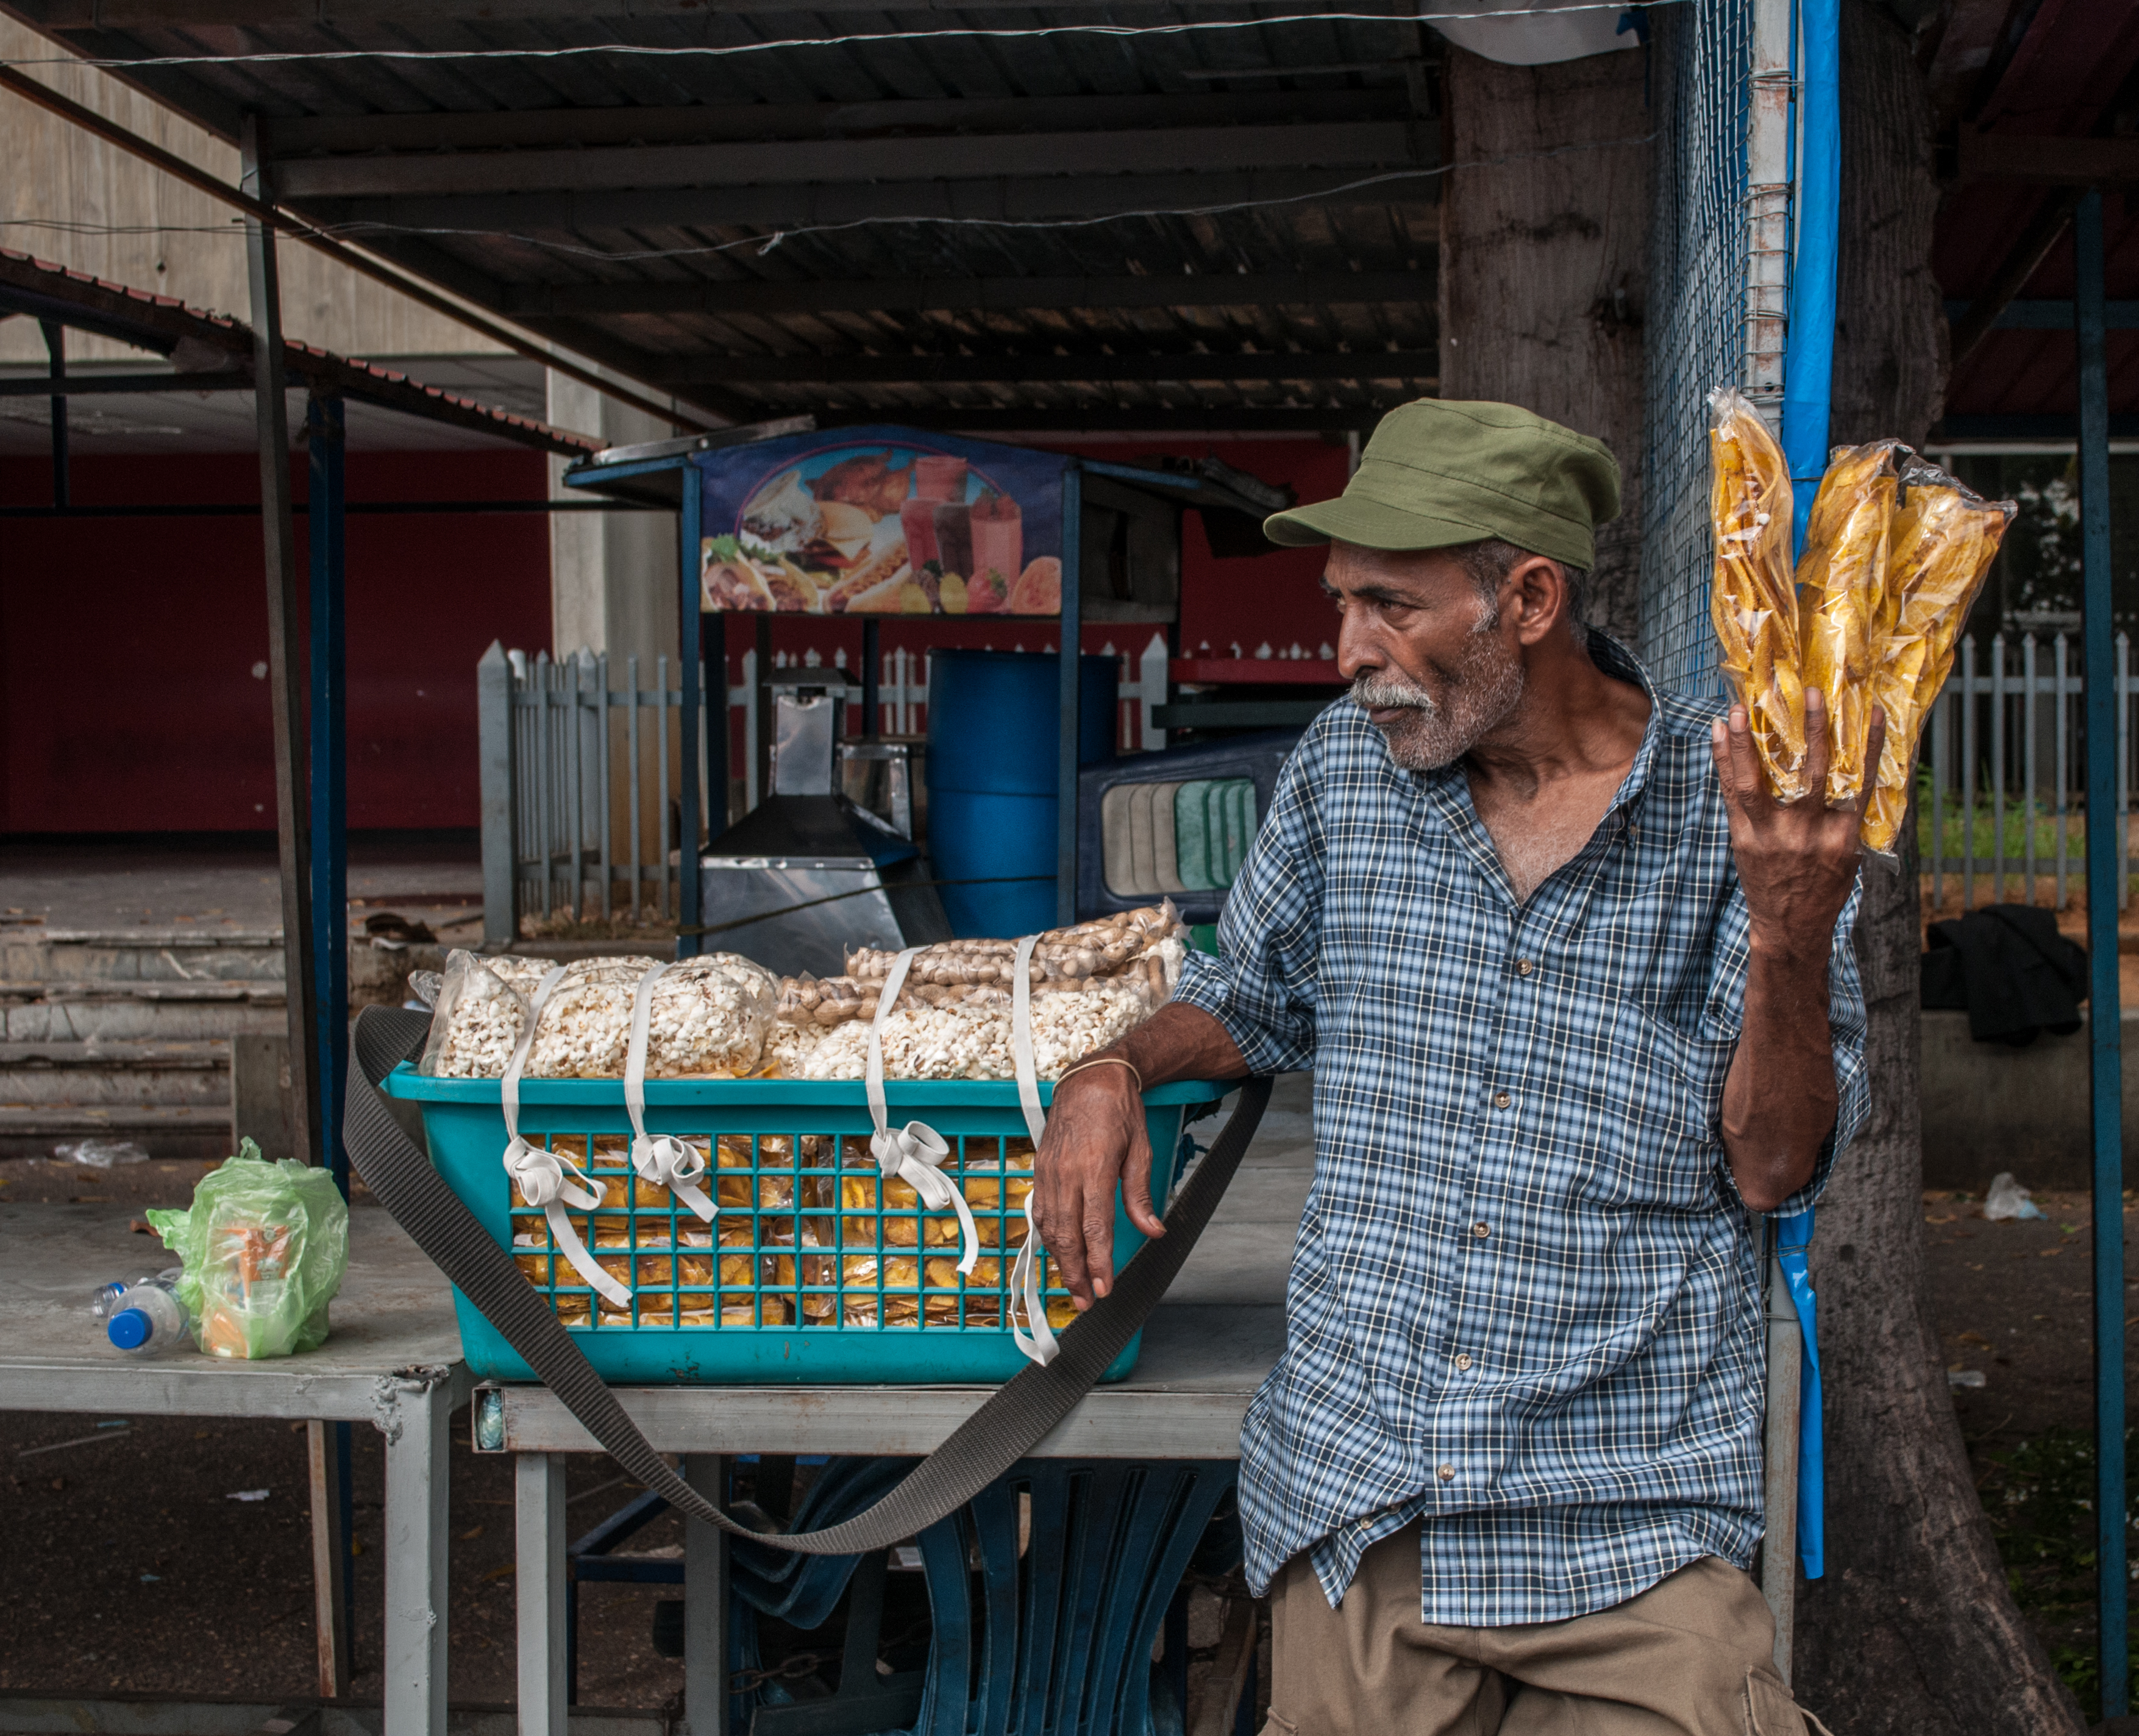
1579,996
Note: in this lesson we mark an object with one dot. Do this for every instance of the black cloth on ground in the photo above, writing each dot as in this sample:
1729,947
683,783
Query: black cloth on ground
2009,969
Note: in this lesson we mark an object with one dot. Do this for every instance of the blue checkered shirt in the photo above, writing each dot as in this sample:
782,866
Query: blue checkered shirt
1525,1306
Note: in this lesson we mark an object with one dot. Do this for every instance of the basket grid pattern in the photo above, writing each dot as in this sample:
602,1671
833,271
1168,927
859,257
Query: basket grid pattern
807,1234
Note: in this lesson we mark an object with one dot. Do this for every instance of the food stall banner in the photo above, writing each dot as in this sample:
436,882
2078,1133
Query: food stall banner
881,520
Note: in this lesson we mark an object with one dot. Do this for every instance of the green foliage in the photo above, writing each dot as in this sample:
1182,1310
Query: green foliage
2040,1497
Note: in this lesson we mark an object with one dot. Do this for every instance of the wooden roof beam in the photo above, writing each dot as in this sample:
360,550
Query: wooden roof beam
956,158
1420,366
524,129
53,15
973,295
1008,200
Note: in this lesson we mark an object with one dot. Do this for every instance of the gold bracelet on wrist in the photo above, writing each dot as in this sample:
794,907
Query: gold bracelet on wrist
1070,1073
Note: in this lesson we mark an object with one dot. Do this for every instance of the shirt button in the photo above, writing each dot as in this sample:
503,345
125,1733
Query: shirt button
1523,967
1501,1099
1463,1360
1481,1230
1447,1474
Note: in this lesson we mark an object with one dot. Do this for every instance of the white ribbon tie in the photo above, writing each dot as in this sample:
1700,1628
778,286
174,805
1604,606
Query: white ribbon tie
1034,1337
914,1153
661,1158
541,1174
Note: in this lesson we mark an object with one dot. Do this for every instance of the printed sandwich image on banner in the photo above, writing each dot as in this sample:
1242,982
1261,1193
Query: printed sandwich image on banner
881,520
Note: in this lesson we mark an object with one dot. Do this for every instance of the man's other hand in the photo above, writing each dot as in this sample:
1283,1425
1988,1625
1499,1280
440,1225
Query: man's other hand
1095,1138
1797,860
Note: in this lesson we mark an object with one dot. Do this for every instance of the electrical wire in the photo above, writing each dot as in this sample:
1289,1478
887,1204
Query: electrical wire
850,39
765,244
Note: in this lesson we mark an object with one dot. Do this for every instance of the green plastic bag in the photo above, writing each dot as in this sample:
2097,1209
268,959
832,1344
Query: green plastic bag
265,1246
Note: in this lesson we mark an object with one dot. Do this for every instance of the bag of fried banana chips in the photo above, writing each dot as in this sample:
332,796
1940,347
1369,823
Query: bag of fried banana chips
1895,552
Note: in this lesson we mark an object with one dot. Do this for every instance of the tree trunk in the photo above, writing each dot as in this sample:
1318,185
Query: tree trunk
1544,263
1912,1632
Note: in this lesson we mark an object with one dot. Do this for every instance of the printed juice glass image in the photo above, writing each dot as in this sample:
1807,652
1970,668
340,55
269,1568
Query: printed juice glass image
917,519
998,537
937,477
954,537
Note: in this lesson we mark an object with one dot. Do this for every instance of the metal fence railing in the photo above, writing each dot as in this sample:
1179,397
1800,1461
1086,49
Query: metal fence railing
582,756
2000,775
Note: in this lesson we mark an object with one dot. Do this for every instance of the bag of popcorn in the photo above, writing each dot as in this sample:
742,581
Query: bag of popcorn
479,1013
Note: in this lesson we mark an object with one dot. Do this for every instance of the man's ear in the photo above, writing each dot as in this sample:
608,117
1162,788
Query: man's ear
1536,590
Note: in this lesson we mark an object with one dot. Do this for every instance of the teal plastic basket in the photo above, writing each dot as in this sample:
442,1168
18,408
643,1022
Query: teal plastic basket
814,1272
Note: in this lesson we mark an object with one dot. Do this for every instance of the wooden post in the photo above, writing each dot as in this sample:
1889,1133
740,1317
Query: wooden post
325,1446
285,656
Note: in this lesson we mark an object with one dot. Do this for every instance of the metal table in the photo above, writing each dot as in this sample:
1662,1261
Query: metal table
1207,1349
394,1362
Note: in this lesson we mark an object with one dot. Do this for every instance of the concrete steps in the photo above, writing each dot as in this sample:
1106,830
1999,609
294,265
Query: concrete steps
143,955
130,1035
114,1011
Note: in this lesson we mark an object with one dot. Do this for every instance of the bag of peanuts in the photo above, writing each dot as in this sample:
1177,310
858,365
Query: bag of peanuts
1090,985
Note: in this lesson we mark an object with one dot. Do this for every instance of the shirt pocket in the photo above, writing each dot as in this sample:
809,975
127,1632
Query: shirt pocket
1657,1144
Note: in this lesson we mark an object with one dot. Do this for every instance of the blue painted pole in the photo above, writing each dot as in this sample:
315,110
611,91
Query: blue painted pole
2105,1020
690,507
330,772
325,570
1810,365
1065,784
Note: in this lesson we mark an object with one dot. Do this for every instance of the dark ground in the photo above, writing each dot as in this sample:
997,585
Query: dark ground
2013,1302
133,1569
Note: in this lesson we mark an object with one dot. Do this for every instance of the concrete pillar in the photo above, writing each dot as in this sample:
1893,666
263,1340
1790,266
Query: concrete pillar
612,575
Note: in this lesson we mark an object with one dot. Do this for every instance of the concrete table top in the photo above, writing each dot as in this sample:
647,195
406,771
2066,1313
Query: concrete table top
392,1324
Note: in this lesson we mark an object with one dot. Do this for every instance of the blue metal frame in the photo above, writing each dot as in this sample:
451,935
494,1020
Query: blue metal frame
326,437
326,441
1065,776
690,505
2105,1022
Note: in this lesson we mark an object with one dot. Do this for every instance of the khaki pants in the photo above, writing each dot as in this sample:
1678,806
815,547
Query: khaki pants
1691,1656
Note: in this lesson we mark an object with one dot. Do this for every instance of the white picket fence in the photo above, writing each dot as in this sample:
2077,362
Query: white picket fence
2006,752
592,805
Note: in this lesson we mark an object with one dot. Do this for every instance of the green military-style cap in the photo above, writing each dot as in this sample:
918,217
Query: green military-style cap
1437,472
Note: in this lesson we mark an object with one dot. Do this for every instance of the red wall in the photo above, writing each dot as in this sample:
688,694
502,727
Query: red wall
127,699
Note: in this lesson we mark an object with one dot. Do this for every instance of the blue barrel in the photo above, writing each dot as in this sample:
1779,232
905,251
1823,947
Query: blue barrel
994,732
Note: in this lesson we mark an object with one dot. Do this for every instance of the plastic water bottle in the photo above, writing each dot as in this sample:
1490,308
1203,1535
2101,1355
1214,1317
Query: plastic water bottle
147,1320
106,1298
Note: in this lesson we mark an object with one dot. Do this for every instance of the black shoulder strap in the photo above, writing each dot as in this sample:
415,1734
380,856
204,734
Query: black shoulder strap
1008,1425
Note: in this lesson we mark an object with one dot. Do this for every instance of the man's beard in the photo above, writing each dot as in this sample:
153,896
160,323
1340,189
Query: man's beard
1477,694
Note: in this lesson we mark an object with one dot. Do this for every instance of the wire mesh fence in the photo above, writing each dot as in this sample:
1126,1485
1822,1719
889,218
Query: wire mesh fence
1717,284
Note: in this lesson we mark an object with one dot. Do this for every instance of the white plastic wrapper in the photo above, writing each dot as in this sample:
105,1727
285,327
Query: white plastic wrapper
708,1017
1128,943
585,1024
481,1009
972,1041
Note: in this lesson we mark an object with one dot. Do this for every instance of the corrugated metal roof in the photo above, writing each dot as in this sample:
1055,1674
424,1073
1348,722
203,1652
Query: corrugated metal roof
1018,204
213,342
2060,71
